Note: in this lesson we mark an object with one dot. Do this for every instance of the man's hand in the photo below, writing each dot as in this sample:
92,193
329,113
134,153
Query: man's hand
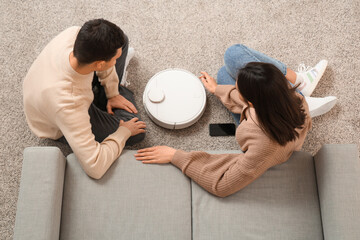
121,103
157,154
209,82
134,126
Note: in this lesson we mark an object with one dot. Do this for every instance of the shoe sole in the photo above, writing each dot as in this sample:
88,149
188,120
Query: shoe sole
323,108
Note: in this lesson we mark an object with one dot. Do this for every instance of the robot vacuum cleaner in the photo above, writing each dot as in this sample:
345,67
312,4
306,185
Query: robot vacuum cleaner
174,98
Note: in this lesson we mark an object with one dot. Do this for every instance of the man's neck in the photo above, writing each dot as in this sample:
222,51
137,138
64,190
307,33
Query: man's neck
84,70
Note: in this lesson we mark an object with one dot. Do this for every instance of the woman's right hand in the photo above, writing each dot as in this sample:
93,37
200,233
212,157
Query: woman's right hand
134,125
209,82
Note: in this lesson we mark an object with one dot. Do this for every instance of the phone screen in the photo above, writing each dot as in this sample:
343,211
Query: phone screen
222,129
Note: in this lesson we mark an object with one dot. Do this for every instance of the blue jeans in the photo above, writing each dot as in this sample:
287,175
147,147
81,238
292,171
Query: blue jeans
235,58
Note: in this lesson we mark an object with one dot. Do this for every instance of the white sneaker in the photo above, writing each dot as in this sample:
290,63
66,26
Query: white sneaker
124,81
310,77
130,55
320,106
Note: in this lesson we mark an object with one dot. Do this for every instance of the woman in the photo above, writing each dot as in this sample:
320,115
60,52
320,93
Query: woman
273,121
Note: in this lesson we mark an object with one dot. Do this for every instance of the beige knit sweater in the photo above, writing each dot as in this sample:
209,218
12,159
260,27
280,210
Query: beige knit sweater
57,100
225,174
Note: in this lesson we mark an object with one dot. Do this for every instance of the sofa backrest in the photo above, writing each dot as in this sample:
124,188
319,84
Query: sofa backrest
137,201
131,201
281,204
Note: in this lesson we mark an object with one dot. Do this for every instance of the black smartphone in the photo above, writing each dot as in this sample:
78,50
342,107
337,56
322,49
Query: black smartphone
222,129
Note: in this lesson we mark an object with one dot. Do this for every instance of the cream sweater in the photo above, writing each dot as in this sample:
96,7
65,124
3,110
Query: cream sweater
57,100
225,174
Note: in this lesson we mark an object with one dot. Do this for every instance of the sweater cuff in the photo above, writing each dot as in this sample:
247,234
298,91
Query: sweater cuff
180,159
122,132
111,90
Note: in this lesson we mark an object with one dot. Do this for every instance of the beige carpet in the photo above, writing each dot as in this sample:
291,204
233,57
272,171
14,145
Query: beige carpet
186,34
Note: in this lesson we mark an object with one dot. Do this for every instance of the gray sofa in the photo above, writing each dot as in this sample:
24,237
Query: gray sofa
308,197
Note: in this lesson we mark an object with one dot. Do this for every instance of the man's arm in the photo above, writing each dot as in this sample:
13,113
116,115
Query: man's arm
94,157
110,81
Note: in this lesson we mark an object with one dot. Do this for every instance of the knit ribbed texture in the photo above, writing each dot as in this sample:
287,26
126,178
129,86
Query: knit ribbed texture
57,100
225,174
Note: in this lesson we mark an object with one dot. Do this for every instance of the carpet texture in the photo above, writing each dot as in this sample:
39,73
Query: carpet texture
192,35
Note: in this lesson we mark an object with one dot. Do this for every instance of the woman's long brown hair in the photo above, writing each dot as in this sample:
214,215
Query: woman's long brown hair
278,108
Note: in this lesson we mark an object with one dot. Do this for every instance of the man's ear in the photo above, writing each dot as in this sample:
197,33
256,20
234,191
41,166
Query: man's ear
99,65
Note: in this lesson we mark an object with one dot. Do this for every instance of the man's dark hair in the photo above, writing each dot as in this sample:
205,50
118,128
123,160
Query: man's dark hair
278,108
98,40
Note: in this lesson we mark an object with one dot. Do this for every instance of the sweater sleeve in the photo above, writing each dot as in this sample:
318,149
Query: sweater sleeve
225,174
230,97
110,81
94,157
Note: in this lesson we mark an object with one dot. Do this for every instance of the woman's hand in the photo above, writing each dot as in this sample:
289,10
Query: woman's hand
134,125
209,82
157,154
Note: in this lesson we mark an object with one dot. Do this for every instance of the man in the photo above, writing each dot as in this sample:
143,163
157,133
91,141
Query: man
63,97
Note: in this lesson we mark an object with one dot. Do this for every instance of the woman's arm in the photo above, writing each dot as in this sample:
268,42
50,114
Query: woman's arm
228,94
219,174
230,97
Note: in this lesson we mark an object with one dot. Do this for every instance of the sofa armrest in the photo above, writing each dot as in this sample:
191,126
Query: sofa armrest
338,179
38,211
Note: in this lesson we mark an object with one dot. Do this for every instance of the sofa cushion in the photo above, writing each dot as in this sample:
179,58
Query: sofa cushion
131,201
282,204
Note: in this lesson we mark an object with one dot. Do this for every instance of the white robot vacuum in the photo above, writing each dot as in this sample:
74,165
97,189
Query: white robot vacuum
174,98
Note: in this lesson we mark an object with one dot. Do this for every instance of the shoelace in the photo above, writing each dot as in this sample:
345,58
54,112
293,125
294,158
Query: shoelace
303,68
126,83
